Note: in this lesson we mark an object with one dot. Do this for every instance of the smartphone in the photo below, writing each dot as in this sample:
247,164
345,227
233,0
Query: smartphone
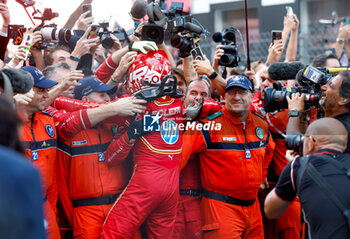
93,32
27,43
275,36
197,54
289,11
345,21
87,7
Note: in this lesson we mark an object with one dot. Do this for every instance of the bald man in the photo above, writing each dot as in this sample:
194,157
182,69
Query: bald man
325,140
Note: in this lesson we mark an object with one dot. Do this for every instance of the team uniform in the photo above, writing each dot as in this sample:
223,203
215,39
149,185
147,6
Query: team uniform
40,142
152,193
188,222
233,164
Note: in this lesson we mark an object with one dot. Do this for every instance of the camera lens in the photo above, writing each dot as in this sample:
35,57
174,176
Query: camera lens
51,33
106,41
294,142
229,36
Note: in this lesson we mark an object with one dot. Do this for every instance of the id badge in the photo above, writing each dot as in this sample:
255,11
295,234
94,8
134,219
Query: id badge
101,157
247,154
35,155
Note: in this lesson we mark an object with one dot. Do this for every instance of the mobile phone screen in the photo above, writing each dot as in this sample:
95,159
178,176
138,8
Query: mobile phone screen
87,7
93,32
276,35
197,54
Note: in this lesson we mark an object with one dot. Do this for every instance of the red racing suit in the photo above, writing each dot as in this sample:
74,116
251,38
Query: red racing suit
40,141
152,193
233,163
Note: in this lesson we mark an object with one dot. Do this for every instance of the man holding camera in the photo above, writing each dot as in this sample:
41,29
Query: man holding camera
325,141
233,163
335,103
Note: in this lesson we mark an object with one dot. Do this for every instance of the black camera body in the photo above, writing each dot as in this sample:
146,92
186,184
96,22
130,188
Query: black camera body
152,32
105,38
276,98
228,39
295,142
230,57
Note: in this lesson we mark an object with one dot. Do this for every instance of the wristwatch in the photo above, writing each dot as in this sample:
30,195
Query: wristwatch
294,113
213,75
74,58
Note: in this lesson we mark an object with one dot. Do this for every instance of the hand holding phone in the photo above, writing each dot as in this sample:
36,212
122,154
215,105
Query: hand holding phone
289,11
275,36
93,31
197,54
27,43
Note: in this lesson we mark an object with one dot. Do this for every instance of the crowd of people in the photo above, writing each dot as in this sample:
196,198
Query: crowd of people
134,141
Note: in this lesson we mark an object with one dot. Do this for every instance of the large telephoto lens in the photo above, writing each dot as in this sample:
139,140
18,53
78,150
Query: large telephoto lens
54,34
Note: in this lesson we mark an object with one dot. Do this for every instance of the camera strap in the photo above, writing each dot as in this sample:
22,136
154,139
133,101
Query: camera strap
307,166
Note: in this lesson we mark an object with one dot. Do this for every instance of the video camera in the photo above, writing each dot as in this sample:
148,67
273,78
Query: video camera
104,34
227,38
276,98
295,142
310,78
49,32
190,29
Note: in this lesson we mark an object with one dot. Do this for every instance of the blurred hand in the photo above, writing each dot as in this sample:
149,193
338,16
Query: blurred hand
193,109
126,61
295,23
18,57
84,23
116,46
203,67
100,55
218,53
84,45
71,79
24,99
4,11
297,102
291,155
129,106
288,23
343,31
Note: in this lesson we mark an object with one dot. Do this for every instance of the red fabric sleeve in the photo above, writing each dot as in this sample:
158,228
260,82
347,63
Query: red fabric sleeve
119,150
106,70
68,124
209,107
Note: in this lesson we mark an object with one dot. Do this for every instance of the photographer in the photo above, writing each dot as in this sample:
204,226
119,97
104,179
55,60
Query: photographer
335,103
325,141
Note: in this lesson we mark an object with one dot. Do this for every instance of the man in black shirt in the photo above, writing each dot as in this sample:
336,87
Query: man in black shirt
325,140
335,103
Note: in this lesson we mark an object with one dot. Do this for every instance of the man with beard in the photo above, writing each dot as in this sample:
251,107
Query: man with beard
335,103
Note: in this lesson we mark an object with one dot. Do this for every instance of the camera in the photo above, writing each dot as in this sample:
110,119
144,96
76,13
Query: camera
230,57
295,142
227,38
313,77
105,38
152,32
276,98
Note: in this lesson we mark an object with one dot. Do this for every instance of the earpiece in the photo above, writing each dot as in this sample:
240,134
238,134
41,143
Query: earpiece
343,99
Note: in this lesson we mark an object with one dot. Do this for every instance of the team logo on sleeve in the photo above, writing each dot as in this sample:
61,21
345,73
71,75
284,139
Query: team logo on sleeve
50,131
259,132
